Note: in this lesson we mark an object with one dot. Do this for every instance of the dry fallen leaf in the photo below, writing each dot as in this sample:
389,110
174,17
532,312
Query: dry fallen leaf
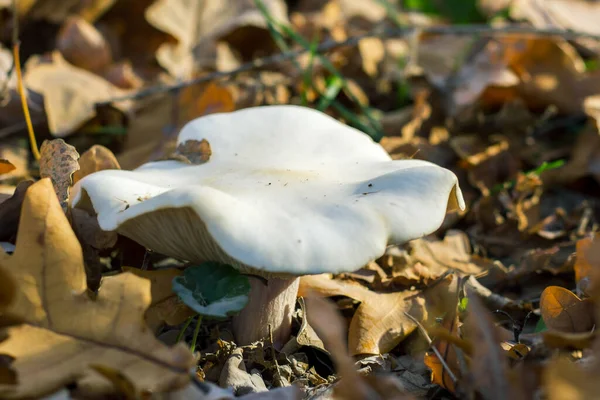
6,166
59,161
379,323
584,261
147,140
83,45
563,311
192,152
64,330
10,211
563,379
70,93
195,101
235,375
166,307
489,364
199,25
96,158
329,325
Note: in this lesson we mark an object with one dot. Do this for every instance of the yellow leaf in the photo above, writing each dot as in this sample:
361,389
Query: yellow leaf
6,166
564,311
64,330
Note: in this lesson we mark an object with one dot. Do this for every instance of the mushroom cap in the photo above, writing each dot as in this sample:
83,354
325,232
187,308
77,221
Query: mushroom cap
287,190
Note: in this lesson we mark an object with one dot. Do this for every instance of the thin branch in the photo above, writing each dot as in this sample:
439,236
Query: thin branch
459,30
435,350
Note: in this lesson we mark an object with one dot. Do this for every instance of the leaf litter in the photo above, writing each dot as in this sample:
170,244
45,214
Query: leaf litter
500,302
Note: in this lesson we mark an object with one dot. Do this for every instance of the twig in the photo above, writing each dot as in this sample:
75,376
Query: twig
274,356
493,300
459,30
435,350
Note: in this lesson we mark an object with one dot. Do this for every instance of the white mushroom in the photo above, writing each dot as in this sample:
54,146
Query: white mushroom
287,191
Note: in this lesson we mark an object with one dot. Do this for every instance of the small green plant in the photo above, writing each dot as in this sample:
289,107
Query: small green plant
213,291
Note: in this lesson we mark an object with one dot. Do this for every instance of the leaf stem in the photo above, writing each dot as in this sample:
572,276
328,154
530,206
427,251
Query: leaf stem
196,331
182,331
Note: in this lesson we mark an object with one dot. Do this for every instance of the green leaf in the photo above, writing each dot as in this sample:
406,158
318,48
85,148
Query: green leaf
540,326
212,289
462,305
457,11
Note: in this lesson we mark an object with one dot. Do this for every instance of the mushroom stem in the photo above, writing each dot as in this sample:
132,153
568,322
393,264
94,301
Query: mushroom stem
269,304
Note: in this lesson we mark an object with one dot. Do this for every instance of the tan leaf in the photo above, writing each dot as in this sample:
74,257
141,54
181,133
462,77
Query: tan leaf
198,25
70,93
372,53
379,323
96,158
166,306
453,252
64,329
562,310
59,161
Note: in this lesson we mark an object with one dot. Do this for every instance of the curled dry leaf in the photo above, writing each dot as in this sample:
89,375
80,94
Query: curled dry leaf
165,306
59,161
563,311
64,330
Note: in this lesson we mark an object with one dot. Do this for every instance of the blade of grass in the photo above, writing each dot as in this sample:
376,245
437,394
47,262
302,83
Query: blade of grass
308,72
196,332
545,166
333,89
182,331
373,129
